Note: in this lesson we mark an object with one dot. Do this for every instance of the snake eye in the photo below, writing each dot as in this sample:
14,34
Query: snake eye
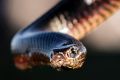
73,54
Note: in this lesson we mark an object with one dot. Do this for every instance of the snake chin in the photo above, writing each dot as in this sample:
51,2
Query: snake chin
71,58
26,61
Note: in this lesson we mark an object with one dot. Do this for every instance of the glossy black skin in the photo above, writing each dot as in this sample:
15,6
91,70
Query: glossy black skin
37,37
74,8
43,42
39,28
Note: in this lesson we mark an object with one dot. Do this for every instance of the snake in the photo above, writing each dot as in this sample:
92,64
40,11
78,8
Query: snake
54,38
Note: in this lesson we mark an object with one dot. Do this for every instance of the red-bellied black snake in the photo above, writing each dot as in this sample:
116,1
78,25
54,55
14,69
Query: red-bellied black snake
53,39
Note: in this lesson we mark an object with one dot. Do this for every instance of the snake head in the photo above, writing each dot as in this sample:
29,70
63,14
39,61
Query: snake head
70,57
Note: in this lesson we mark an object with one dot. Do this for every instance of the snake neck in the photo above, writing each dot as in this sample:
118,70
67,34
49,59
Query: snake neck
75,18
83,18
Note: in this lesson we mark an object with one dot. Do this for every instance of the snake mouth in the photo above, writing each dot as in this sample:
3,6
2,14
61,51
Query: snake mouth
21,61
28,61
71,58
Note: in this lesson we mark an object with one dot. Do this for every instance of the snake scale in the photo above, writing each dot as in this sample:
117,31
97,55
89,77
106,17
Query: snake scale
53,39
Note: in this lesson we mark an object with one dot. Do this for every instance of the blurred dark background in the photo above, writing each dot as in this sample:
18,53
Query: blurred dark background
103,58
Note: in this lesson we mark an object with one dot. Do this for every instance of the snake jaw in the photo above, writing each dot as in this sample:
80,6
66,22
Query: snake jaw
65,59
57,60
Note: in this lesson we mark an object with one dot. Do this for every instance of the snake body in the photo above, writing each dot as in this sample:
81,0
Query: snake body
53,39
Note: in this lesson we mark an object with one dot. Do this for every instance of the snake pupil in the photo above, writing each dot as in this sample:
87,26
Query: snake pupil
73,53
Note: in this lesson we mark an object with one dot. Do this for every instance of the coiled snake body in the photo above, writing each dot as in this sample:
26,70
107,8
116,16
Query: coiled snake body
53,38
